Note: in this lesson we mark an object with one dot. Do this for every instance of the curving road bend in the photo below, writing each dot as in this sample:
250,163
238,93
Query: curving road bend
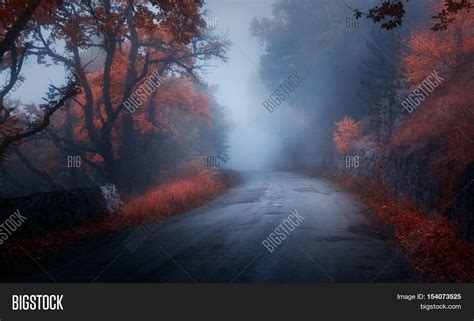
222,241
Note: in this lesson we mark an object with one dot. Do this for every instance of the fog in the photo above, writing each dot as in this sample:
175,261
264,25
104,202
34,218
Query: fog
240,90
324,50
257,138
318,39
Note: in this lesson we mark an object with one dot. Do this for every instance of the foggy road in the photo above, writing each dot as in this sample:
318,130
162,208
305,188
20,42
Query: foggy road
222,241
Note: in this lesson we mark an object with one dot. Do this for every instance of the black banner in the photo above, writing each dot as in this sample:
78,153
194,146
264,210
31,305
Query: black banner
244,302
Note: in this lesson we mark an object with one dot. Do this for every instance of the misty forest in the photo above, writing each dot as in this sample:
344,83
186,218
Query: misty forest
236,141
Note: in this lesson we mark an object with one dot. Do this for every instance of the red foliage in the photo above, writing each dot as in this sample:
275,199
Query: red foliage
177,196
442,51
430,242
445,117
346,131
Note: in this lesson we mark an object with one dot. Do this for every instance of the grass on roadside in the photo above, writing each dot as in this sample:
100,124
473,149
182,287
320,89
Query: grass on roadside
430,242
171,198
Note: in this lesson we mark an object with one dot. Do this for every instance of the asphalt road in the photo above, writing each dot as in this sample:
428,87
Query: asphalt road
222,241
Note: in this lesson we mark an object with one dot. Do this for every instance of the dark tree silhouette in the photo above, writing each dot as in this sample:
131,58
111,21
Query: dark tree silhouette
16,21
390,13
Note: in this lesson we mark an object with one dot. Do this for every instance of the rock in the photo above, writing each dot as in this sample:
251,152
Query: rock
406,172
112,199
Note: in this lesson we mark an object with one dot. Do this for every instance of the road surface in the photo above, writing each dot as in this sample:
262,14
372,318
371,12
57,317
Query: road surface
222,241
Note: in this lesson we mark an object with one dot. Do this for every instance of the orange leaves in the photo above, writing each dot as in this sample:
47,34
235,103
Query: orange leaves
430,242
115,49
181,18
346,131
178,103
177,196
143,125
445,117
440,50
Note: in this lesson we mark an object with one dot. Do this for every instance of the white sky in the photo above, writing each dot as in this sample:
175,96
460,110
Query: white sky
240,90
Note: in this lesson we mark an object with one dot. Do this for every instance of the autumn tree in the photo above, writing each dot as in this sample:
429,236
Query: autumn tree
390,14
128,42
447,51
111,48
17,19
446,115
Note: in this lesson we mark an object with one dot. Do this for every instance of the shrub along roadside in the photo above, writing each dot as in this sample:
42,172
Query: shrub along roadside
174,197
430,242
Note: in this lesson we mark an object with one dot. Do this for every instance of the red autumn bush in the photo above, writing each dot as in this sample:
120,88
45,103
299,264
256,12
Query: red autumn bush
346,131
177,196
